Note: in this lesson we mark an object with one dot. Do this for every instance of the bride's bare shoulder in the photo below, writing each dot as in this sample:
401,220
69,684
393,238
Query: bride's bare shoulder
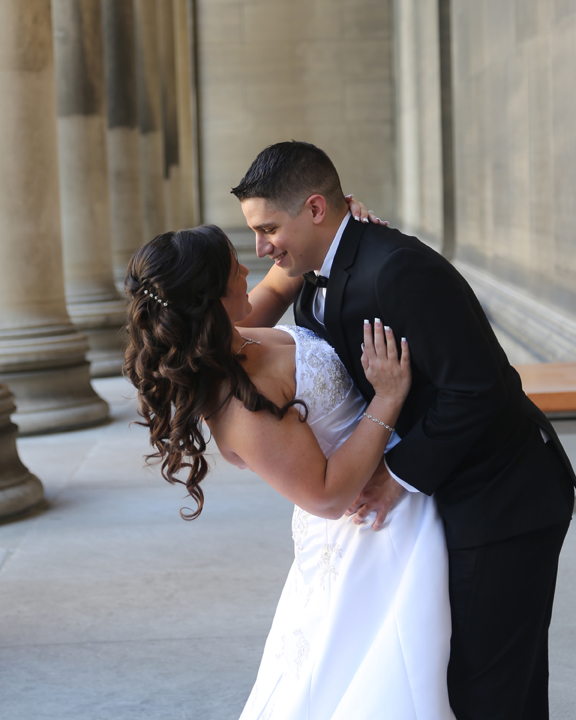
234,426
223,429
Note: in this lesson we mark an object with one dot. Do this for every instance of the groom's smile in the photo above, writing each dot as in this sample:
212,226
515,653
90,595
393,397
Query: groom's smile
291,241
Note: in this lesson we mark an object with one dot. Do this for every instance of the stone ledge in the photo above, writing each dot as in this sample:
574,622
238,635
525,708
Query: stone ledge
549,334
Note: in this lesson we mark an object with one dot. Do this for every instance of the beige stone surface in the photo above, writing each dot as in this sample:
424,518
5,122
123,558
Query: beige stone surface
417,83
315,71
85,208
92,298
20,491
153,198
150,118
514,76
126,213
169,105
125,197
39,347
186,113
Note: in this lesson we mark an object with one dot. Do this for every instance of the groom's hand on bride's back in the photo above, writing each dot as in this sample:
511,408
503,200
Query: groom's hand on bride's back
380,494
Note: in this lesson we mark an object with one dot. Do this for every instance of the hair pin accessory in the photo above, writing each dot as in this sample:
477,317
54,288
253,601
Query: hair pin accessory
155,297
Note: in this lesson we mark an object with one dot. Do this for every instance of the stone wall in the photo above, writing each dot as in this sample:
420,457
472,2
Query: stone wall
486,156
514,65
418,119
314,70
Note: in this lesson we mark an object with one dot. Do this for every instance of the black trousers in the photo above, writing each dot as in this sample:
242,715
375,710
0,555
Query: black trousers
501,596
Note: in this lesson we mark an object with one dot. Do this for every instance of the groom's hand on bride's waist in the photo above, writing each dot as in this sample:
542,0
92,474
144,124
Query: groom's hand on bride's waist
380,494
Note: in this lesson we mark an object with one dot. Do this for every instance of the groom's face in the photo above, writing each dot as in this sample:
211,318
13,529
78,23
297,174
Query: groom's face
289,241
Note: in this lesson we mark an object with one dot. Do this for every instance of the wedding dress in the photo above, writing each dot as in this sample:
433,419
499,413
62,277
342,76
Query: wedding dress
362,628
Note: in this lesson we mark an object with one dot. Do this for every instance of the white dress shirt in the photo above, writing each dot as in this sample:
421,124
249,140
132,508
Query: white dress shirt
320,296
318,310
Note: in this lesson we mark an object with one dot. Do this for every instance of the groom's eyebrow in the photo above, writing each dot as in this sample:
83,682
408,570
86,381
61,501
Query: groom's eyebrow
264,226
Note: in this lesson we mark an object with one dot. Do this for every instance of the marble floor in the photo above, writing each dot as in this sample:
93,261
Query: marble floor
111,606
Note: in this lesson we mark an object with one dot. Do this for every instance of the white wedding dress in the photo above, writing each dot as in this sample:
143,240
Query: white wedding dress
362,629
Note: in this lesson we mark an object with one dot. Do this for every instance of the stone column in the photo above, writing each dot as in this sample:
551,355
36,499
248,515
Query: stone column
447,130
93,302
187,115
167,52
423,135
123,136
19,489
42,355
150,118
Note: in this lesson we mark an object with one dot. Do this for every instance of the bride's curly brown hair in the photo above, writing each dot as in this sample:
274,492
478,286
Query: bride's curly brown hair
179,353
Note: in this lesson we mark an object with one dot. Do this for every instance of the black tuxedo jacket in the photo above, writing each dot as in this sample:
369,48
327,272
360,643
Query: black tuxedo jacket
469,433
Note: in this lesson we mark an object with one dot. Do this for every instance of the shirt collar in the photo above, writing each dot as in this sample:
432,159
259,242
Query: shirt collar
329,259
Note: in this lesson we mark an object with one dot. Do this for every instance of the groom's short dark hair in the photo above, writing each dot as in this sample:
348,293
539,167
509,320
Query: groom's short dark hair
287,173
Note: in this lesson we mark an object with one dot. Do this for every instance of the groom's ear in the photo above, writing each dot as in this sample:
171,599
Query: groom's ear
316,204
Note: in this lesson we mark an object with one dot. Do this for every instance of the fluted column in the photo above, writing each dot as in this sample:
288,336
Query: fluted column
42,355
93,301
187,125
19,489
150,118
123,136
167,51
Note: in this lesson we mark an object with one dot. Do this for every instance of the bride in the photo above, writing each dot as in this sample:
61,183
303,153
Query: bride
362,629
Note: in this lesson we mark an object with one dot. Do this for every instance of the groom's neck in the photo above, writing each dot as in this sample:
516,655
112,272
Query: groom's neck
328,230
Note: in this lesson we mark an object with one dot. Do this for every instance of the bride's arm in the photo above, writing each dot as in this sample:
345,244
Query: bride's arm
271,298
286,454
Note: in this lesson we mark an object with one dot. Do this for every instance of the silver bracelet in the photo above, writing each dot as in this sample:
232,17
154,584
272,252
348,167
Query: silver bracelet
379,422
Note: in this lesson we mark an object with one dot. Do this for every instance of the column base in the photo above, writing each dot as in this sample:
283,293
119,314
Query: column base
106,354
20,491
25,495
102,321
56,399
119,277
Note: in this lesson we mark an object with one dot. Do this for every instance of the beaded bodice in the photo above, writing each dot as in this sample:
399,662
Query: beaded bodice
322,382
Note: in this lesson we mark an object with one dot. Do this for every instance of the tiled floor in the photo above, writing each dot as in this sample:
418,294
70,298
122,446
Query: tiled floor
111,606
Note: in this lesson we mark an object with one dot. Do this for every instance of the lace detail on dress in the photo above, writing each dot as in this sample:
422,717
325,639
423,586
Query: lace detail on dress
323,382
302,651
326,564
299,532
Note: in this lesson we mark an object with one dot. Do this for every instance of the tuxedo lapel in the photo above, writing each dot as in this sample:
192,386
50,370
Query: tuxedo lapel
332,313
339,277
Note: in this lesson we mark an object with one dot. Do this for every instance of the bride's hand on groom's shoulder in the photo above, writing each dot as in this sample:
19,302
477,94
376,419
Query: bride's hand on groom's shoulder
380,494
360,213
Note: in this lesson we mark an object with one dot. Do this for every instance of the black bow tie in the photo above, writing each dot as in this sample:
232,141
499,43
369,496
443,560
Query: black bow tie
317,280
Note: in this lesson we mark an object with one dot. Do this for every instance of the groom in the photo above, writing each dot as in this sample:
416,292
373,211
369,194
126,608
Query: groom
469,435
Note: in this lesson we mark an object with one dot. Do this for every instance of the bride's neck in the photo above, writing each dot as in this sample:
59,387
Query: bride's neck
242,340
